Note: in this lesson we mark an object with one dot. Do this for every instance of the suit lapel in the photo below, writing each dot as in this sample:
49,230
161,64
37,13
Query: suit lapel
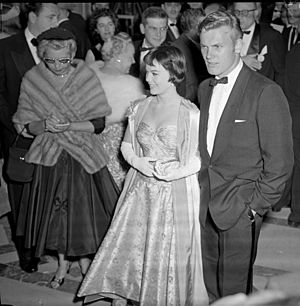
170,34
255,42
137,54
22,56
204,112
229,114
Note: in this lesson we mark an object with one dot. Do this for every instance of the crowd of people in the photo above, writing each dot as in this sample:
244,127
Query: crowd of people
171,147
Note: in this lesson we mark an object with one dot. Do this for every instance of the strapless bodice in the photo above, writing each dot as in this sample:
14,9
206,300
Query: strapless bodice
159,143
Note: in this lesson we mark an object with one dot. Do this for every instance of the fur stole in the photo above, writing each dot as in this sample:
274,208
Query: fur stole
81,98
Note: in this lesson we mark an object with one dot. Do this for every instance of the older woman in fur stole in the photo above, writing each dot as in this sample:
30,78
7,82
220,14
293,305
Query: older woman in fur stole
120,89
72,198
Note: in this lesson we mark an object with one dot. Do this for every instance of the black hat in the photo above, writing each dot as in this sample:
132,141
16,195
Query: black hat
57,33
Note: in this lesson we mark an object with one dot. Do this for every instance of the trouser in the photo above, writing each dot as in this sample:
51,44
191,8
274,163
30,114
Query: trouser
15,195
228,256
295,202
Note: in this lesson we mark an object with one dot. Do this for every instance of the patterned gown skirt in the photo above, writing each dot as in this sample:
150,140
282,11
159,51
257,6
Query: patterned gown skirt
136,261
69,210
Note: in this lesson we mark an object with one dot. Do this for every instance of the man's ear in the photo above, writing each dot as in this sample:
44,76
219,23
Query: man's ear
32,17
142,28
238,46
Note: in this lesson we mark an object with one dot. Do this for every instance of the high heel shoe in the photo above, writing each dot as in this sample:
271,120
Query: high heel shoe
57,282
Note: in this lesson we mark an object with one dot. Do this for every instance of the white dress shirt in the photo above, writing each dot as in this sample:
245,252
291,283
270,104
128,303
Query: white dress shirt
293,36
173,28
29,36
218,102
247,40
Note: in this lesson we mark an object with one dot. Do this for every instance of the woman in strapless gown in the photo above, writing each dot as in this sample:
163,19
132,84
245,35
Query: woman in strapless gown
151,254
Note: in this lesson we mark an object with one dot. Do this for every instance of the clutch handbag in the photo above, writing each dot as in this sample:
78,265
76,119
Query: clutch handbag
17,168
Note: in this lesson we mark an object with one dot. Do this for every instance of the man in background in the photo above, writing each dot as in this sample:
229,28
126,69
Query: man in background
263,47
76,24
154,27
189,43
172,9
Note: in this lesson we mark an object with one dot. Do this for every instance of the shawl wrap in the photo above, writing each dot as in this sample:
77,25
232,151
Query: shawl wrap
186,201
80,99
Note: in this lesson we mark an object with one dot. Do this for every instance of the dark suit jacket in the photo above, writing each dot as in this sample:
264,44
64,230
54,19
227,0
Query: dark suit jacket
15,60
196,70
291,86
251,159
286,34
82,40
135,68
273,65
170,37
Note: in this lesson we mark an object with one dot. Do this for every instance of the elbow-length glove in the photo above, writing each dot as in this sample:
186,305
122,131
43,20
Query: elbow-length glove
172,171
142,164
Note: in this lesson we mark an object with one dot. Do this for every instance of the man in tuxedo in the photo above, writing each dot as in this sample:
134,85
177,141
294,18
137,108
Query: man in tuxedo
154,27
76,24
189,43
263,47
17,56
172,9
291,34
246,154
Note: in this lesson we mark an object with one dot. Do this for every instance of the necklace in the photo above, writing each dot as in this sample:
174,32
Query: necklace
62,75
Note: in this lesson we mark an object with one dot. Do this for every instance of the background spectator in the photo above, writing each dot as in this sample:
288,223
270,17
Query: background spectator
120,89
103,24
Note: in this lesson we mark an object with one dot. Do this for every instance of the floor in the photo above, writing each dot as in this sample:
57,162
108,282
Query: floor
278,254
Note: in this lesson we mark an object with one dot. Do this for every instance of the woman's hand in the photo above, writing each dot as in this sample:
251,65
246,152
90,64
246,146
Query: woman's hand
20,129
172,175
144,165
54,125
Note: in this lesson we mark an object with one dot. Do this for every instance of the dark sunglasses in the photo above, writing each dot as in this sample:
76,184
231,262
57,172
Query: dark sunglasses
60,60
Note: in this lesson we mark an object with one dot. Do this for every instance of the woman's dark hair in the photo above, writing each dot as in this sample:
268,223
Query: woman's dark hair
172,59
93,20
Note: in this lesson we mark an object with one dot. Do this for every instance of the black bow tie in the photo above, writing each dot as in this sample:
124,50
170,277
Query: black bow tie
247,32
214,82
172,24
34,42
142,49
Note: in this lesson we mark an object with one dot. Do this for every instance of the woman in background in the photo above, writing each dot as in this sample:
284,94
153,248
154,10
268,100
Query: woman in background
72,196
103,23
151,253
120,89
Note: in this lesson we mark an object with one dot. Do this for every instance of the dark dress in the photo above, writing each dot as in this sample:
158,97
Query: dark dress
97,53
69,209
